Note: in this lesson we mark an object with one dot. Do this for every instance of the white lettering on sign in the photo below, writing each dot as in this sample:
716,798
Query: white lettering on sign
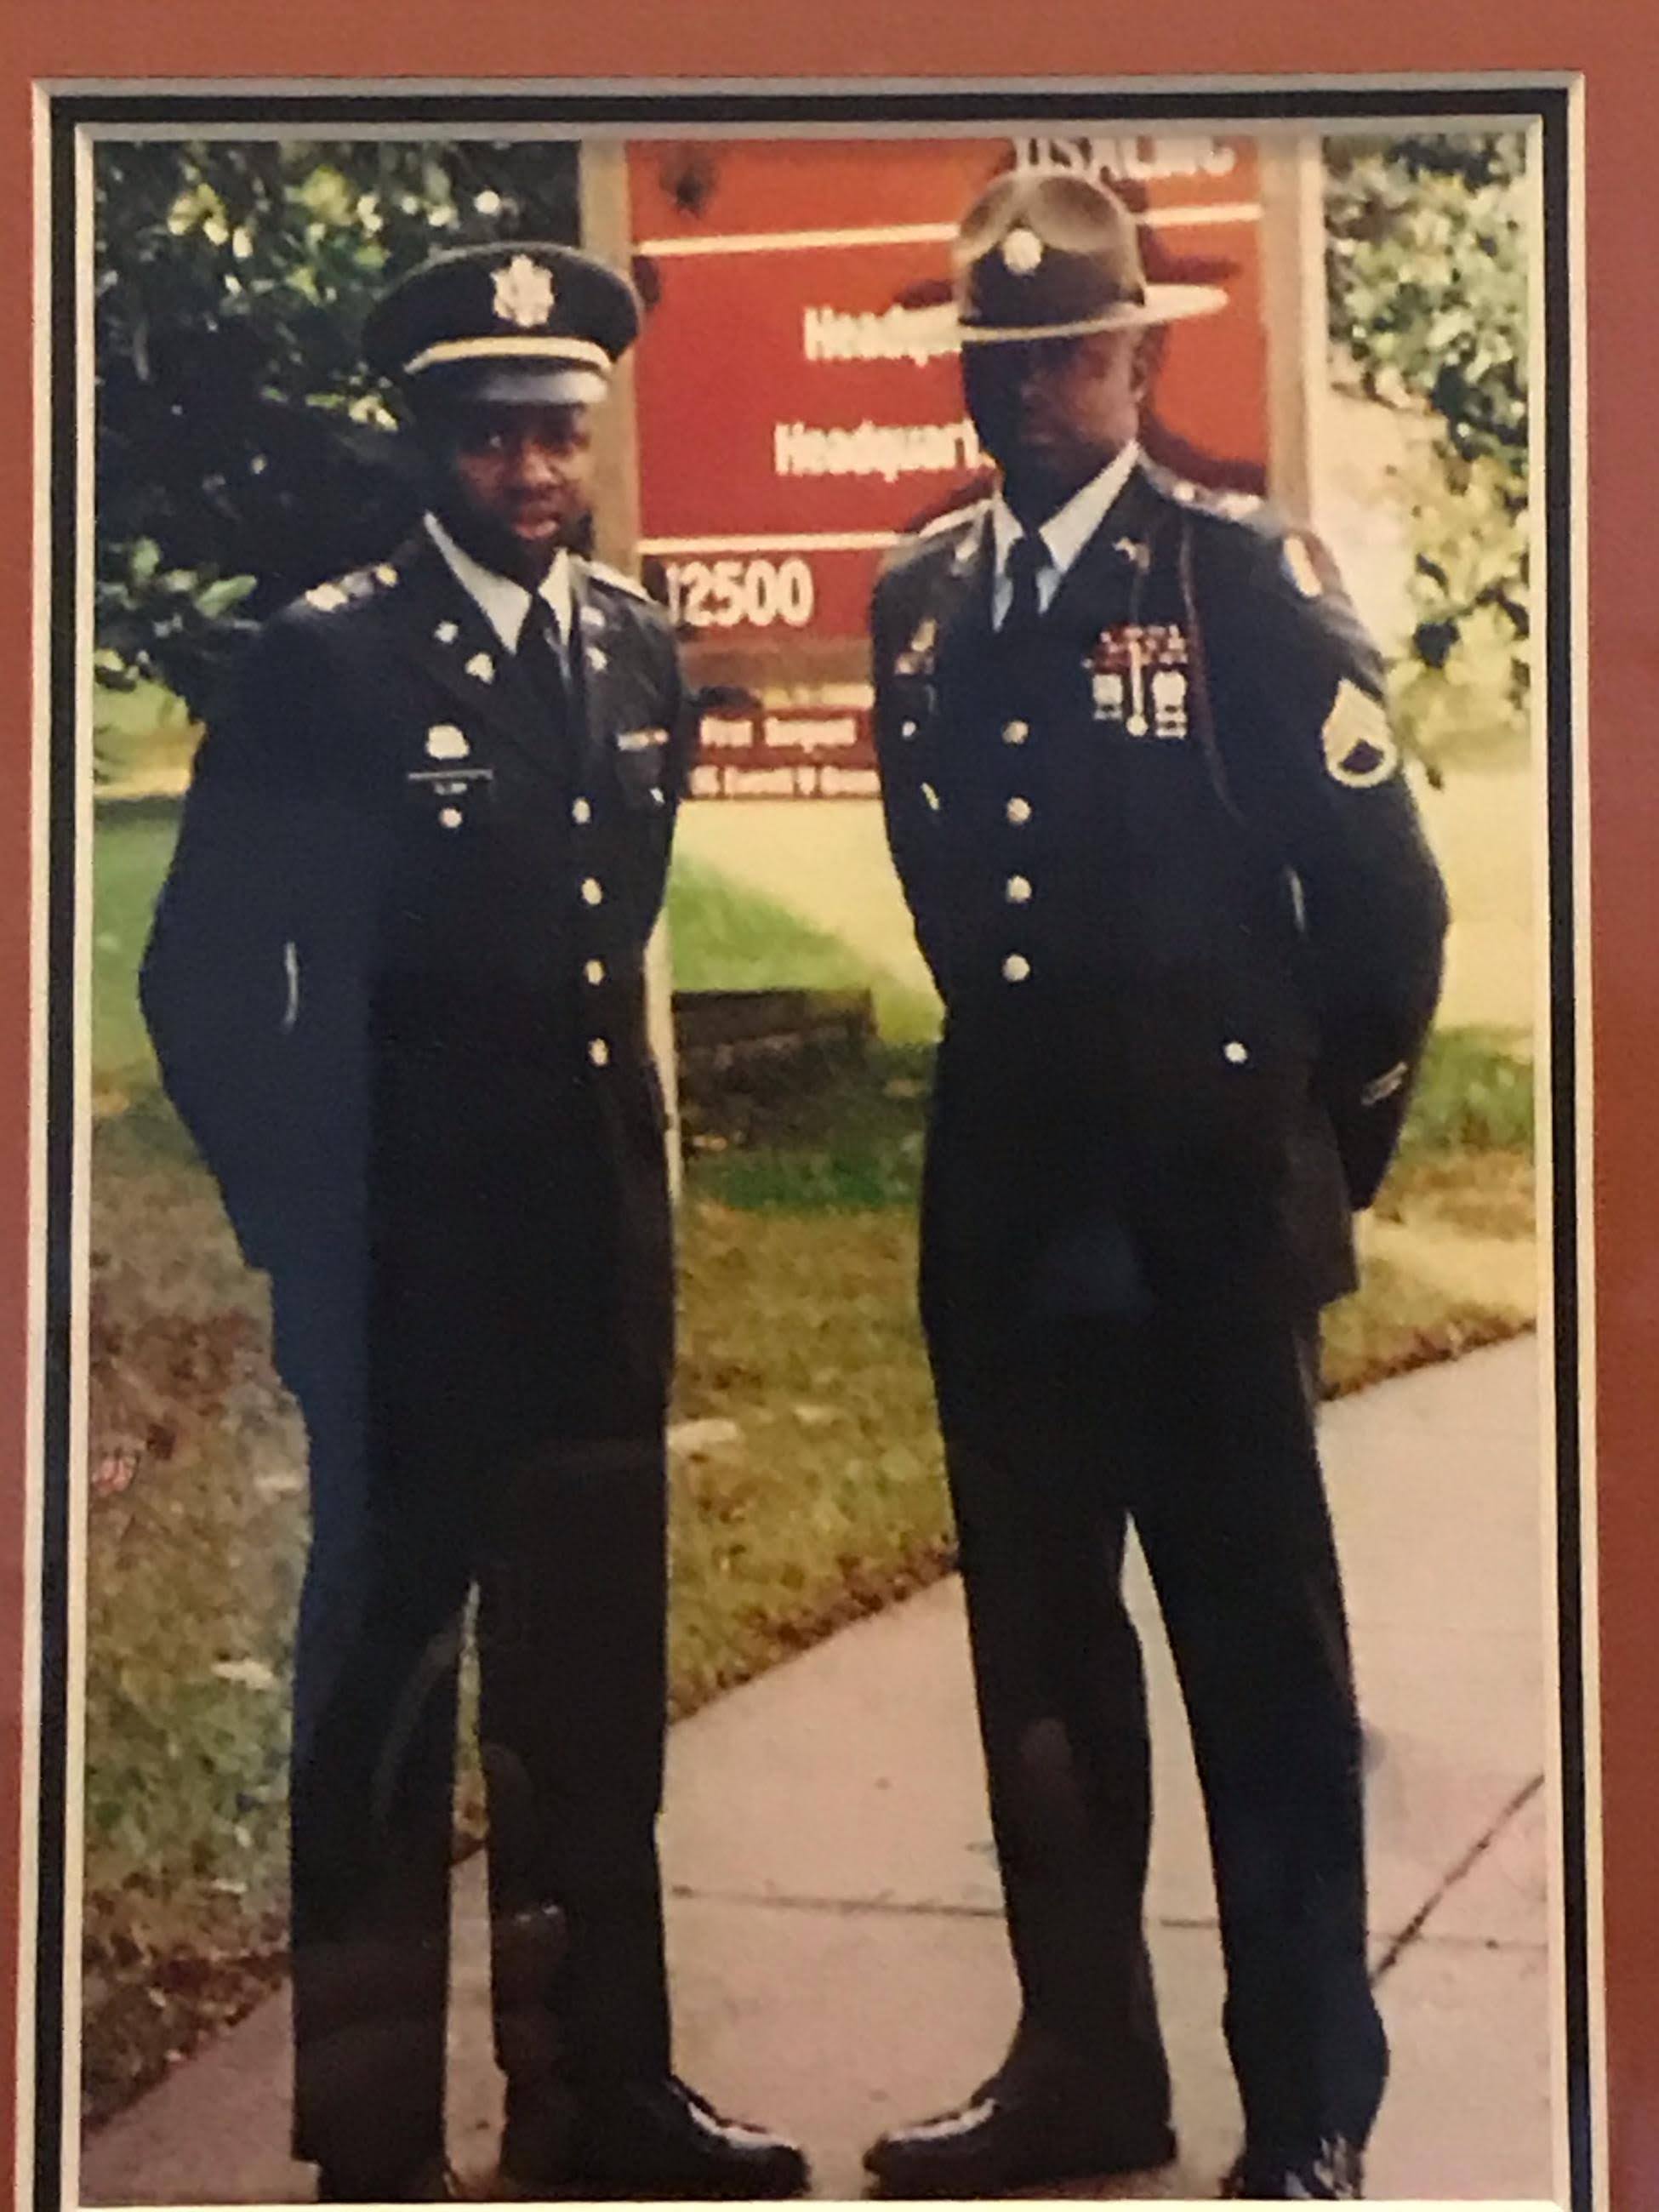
917,334
1129,161
887,450
722,594
720,733
808,733
757,782
848,783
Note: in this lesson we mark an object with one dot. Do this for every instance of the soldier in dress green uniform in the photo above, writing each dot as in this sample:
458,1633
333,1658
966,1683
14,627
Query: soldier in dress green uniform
1150,821
397,987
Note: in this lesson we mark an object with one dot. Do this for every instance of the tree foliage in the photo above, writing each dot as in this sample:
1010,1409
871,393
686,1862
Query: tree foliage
242,452
1428,291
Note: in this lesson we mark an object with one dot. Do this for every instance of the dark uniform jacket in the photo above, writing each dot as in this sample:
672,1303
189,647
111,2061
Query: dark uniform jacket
396,986
1172,886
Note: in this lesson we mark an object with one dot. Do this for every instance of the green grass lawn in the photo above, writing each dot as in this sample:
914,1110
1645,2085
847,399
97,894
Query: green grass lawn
818,1496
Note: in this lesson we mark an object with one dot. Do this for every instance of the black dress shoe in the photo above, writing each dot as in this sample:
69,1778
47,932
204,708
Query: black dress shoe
1020,2130
1334,2174
660,2139
432,2182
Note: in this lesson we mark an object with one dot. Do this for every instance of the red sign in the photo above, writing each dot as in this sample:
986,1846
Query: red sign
793,752
799,395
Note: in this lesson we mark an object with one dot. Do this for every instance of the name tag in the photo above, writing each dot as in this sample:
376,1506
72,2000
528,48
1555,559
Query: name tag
639,741
449,782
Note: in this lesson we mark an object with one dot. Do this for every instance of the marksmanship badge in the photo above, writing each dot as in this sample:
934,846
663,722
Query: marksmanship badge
1360,748
524,292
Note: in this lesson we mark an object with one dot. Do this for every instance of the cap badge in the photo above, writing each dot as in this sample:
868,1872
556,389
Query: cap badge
1022,251
445,742
524,292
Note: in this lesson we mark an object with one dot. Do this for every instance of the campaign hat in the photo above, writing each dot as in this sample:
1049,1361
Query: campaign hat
520,321
1048,253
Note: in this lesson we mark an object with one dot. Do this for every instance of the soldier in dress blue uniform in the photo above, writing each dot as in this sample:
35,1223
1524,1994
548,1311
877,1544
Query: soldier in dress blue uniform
396,984
1140,789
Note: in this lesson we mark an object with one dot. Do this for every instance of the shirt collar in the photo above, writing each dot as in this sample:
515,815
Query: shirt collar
1069,529
503,601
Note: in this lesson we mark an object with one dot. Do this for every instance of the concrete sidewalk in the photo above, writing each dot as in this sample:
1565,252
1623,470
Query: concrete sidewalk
836,1944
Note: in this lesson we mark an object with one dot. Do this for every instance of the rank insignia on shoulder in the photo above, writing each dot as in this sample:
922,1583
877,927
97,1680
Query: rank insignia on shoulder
1301,567
1360,748
621,579
327,598
445,742
917,658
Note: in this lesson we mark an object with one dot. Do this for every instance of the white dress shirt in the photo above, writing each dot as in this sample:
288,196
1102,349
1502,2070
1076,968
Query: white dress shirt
1062,537
504,602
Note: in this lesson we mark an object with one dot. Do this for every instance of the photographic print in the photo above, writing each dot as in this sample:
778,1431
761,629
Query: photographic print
814,859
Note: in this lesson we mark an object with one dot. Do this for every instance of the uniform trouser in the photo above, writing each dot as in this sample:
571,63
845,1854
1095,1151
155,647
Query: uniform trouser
565,1548
1201,1433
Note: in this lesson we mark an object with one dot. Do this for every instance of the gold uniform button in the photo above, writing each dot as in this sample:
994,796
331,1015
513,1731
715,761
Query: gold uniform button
1016,968
1020,811
1019,891
594,971
593,890
1015,733
599,1052
906,729
451,818
1234,1053
580,811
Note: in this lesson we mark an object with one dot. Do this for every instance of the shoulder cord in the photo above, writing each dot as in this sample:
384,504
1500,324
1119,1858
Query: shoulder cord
1198,679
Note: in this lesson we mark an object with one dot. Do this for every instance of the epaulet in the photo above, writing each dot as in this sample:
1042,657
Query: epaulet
621,579
954,519
351,590
1244,506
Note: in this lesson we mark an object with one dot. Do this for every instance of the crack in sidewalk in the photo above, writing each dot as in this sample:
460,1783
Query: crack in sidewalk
939,1909
1465,1866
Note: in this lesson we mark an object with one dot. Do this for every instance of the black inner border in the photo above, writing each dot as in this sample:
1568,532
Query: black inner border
154,108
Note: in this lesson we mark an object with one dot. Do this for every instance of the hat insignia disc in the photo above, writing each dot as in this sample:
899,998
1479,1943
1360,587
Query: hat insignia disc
1022,251
524,293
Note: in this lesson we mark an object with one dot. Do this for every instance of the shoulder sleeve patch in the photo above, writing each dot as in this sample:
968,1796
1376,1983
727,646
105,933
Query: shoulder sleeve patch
1360,748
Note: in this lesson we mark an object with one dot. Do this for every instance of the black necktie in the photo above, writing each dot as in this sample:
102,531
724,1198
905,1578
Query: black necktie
541,662
1027,557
